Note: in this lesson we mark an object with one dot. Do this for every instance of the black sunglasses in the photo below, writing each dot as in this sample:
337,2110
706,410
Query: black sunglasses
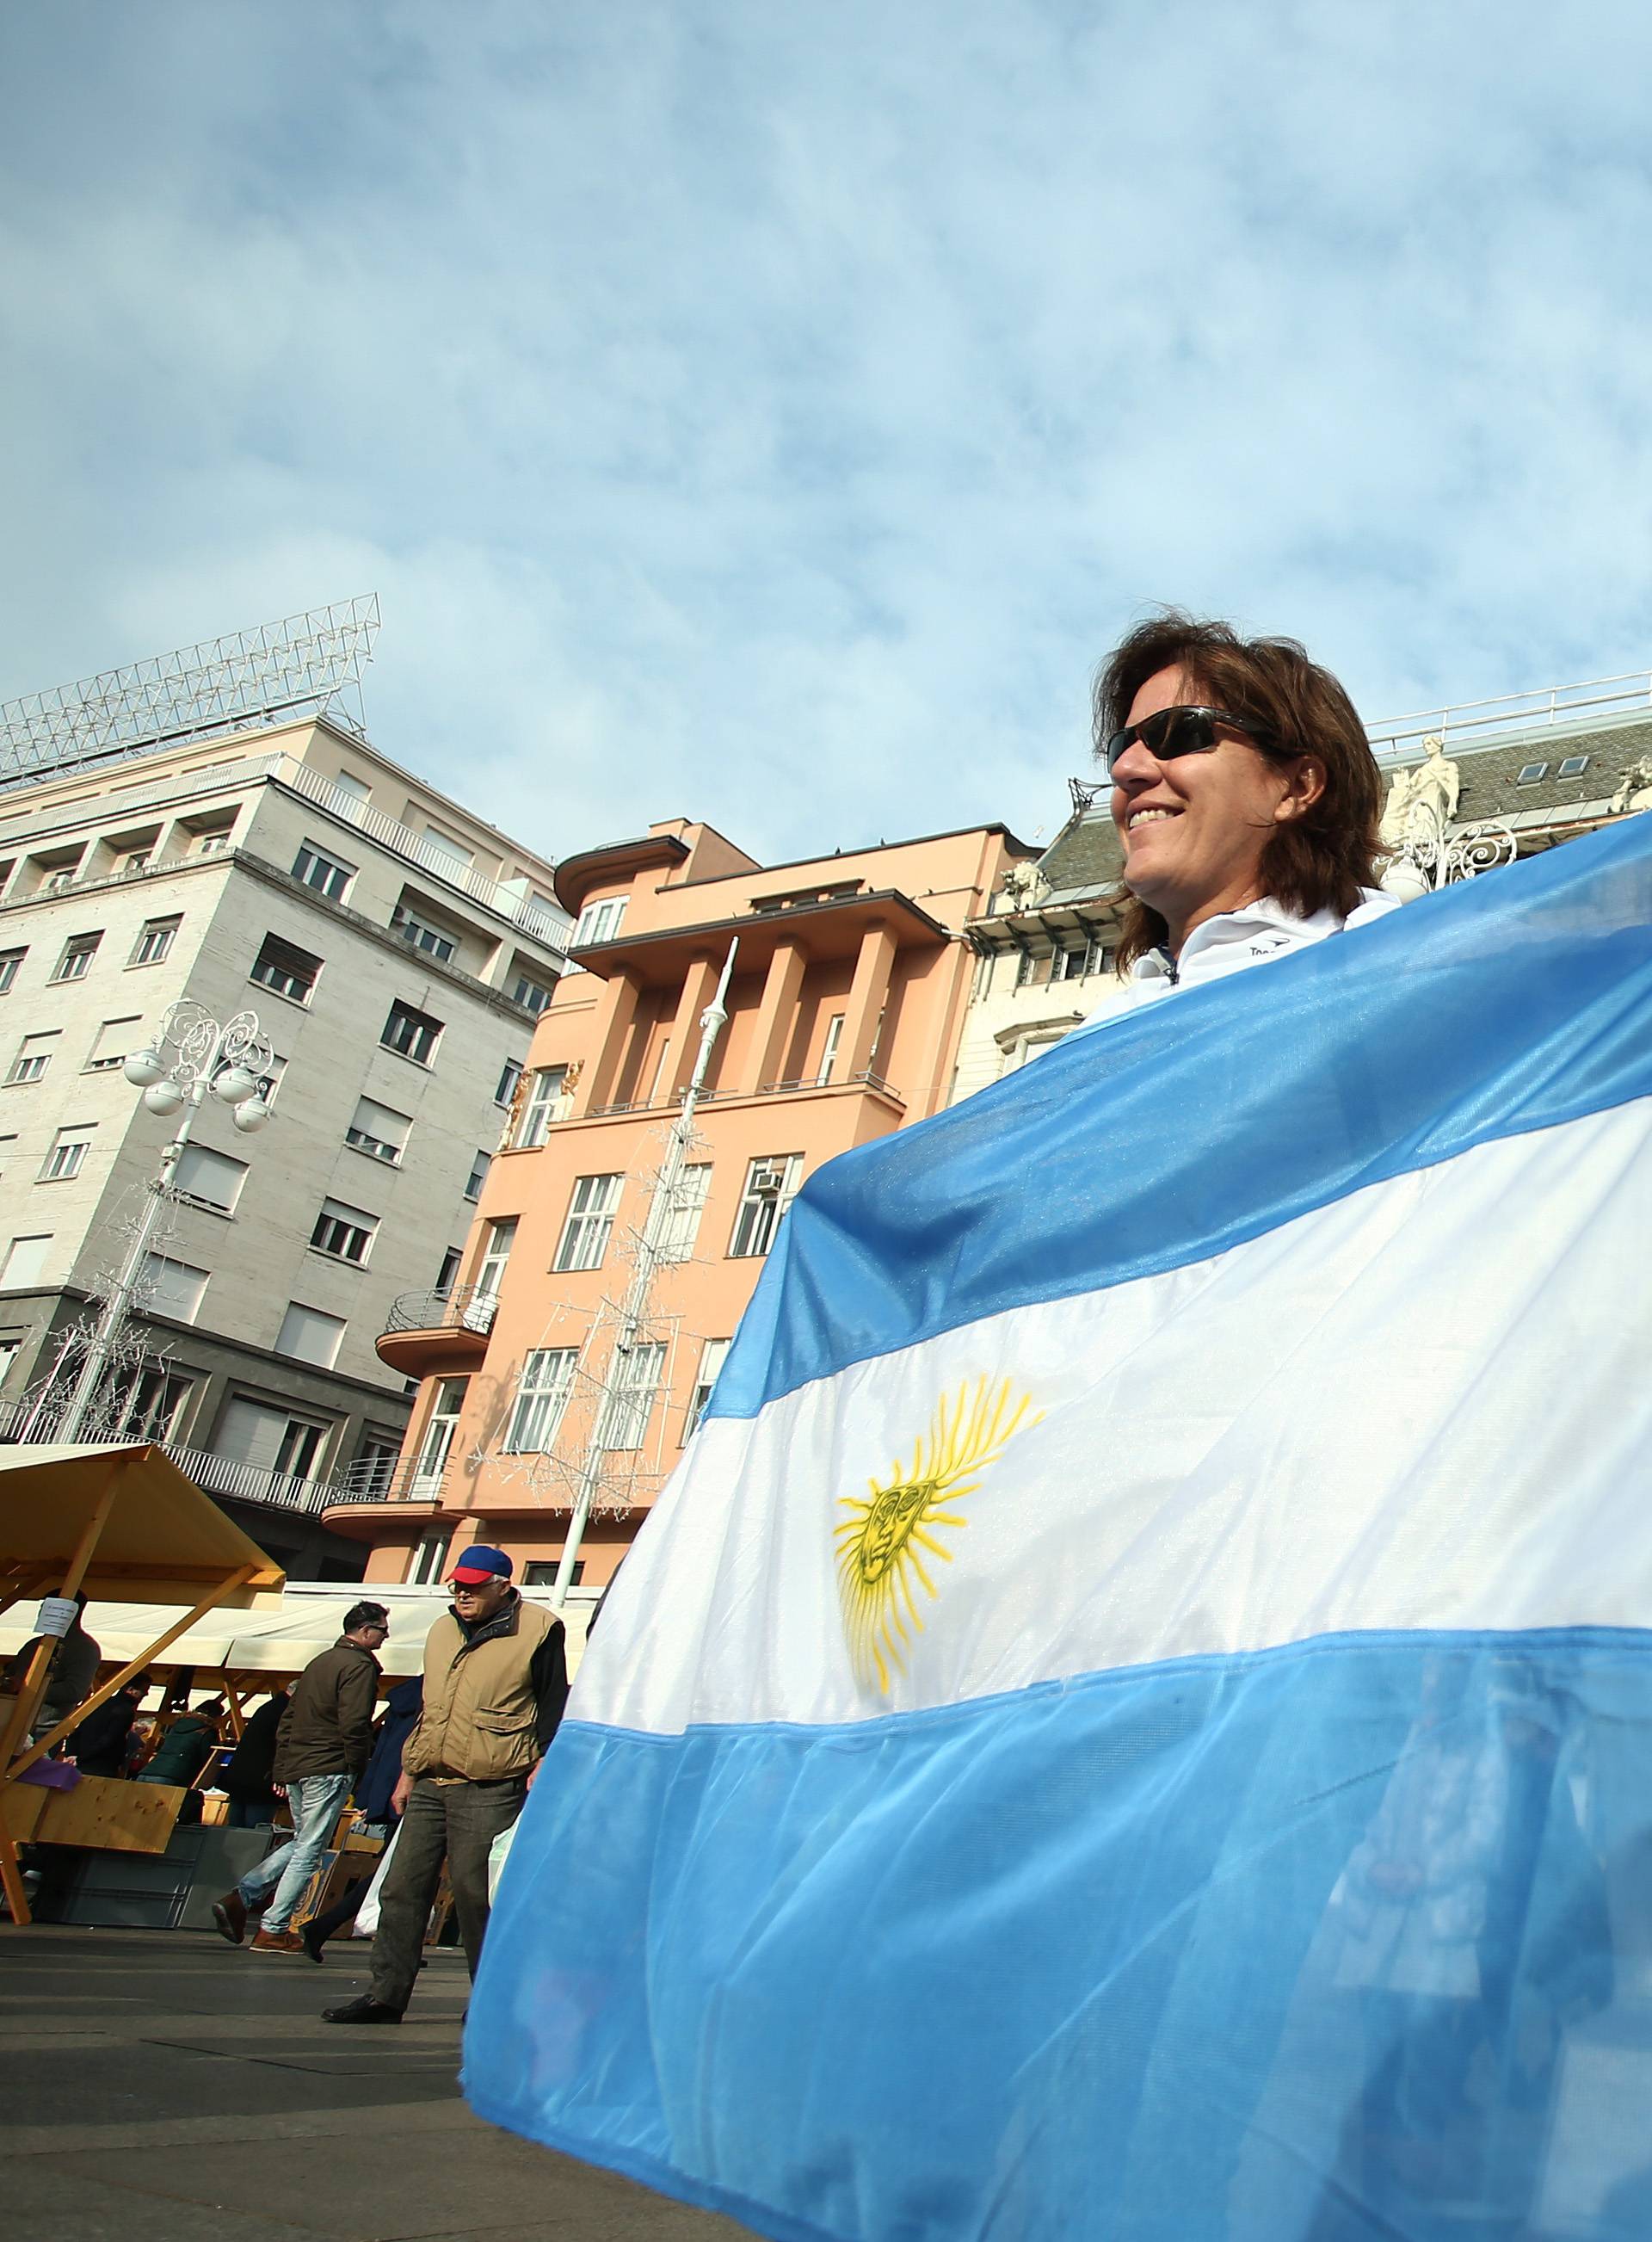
1176,732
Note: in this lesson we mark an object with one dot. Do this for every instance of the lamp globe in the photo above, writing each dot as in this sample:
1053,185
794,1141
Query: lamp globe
144,1067
250,1116
163,1097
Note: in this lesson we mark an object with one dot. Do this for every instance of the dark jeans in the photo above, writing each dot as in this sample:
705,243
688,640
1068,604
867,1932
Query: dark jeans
249,1813
456,1822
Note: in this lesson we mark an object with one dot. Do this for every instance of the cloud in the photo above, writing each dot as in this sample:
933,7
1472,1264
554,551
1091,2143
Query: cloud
773,415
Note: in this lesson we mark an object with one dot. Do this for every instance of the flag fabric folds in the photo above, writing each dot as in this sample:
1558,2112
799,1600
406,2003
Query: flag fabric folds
1134,1716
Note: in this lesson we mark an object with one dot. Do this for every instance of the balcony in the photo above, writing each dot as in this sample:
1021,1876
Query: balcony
437,1334
221,1475
355,1500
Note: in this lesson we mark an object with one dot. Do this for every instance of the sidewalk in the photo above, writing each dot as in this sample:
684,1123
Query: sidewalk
160,2087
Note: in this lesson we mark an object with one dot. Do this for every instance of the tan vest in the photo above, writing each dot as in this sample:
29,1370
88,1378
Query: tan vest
480,1712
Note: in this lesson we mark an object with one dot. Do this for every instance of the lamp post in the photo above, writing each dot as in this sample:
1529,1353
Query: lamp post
195,1055
1432,854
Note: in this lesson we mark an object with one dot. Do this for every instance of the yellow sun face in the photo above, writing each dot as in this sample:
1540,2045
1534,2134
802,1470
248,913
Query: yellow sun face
883,1543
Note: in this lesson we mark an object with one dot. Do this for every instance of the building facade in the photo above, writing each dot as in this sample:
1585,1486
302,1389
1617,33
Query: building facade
396,952
849,984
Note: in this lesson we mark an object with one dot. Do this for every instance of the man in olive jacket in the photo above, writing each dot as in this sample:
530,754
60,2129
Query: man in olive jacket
322,1746
496,1680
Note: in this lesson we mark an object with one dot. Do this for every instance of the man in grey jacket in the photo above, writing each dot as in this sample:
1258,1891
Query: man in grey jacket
321,1749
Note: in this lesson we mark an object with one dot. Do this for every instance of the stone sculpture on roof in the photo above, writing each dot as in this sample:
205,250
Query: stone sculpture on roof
1634,787
1422,796
1025,886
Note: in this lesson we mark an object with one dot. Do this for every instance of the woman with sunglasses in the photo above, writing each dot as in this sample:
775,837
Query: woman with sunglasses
1246,800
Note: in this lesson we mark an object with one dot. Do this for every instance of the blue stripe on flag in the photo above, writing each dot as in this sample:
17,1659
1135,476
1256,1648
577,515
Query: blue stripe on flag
1500,1006
1292,1945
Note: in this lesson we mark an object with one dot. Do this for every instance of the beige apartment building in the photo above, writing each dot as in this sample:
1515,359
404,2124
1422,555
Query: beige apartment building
396,952
851,977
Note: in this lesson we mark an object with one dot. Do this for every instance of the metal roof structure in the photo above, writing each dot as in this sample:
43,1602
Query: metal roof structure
275,670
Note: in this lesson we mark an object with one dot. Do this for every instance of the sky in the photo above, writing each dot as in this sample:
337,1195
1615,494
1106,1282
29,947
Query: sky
773,415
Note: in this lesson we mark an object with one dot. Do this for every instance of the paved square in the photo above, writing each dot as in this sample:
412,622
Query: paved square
162,2087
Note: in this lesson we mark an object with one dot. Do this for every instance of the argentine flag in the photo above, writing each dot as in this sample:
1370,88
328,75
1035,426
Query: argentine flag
1134,1717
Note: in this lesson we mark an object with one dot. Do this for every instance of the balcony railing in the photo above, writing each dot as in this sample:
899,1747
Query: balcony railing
461,1307
500,896
404,1482
225,1475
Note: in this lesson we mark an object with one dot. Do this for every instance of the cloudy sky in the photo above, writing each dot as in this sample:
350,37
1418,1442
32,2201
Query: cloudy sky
772,413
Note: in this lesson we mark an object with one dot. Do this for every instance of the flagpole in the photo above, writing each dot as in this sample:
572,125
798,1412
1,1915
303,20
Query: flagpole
634,1313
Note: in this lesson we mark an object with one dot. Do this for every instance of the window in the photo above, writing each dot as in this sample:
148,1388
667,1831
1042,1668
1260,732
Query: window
510,1078
155,939
300,1444
452,1260
269,1084
328,875
112,1042
679,1224
541,1572
449,855
173,1288
285,969
357,789
1573,767
541,1397
412,1033
477,1175
8,1146
9,1350
67,1154
34,1056
501,1236
209,1178
63,877
310,1336
213,844
590,1220
1530,773
25,1258
10,961
79,953
829,1051
531,993
439,1434
599,922
379,1130
346,1232
1025,966
133,862
148,1403
418,933
374,1464
545,1105
633,1380
269,1438
771,1186
711,1356
427,1561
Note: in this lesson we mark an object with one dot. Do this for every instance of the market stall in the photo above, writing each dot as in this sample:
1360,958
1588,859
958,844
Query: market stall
118,1523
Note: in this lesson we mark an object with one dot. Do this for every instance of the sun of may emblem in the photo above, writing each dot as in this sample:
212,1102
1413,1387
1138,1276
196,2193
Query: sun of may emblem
883,1543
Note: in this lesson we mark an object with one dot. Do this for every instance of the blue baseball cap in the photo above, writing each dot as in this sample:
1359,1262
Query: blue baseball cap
480,1564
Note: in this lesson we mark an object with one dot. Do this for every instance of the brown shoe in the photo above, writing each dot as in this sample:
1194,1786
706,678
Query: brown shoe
230,1914
277,1942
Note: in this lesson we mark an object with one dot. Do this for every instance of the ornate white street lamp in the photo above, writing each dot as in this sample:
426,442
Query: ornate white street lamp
194,1057
1433,854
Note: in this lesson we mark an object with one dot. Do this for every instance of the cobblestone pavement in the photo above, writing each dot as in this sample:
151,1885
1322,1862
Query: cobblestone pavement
161,2087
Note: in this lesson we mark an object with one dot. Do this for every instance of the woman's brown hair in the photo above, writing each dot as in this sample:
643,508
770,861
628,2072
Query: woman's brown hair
1319,860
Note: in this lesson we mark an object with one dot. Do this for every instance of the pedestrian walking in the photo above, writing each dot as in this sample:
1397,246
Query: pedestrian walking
321,1749
375,1802
496,1680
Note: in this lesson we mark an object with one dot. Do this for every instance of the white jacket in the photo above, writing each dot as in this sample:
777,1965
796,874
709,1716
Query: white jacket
1229,942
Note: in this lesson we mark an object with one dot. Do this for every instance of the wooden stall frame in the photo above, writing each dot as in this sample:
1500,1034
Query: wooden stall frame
29,1698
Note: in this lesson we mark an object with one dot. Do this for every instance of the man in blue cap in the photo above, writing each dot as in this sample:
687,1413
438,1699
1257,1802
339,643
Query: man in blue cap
496,1679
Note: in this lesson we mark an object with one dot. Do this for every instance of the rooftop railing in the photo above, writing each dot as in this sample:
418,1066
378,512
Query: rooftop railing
502,897
1514,712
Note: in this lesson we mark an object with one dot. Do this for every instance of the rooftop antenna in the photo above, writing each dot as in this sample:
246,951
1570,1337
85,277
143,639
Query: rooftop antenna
279,670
